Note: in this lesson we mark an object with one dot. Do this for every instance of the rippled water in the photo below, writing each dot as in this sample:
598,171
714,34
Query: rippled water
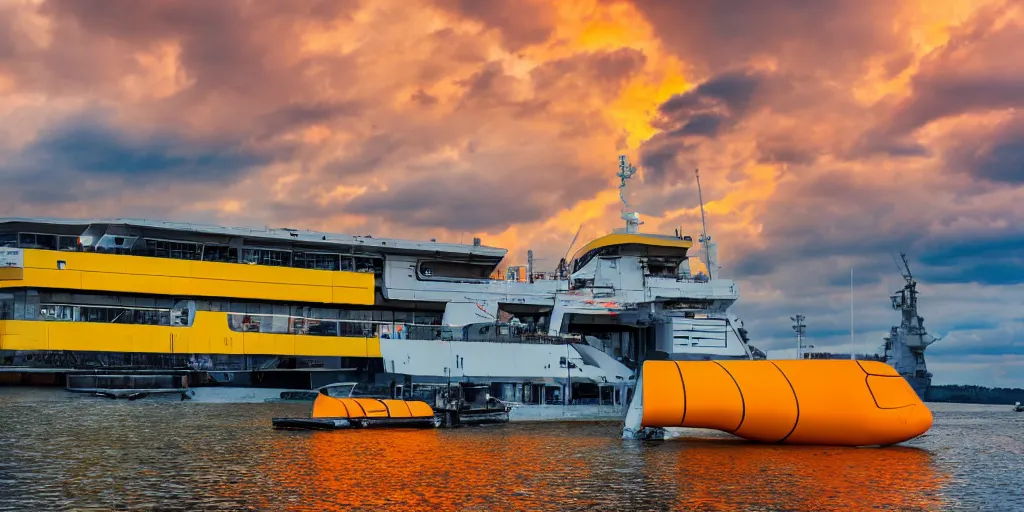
63,451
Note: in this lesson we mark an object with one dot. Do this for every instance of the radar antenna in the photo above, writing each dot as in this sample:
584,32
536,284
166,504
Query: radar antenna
897,262
908,276
626,171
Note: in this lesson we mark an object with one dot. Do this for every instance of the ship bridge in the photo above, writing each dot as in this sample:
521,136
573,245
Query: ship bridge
664,253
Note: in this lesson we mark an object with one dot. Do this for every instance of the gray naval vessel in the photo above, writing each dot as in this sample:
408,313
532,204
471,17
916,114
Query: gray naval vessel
906,343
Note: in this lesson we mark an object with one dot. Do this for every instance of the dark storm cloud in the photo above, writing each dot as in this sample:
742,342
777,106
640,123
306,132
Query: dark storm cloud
472,205
995,259
996,155
784,150
301,115
707,125
659,154
423,99
733,90
521,23
602,70
832,34
714,106
483,203
488,88
368,155
831,216
87,147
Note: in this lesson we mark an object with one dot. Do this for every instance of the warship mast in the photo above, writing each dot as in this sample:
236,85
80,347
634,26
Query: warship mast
906,343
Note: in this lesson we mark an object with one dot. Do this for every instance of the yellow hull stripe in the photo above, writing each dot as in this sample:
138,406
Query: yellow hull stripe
183,278
209,334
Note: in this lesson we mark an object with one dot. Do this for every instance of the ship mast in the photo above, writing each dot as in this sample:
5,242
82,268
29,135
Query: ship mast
906,343
704,238
626,171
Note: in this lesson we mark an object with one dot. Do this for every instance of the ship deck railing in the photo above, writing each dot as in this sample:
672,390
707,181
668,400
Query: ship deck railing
439,332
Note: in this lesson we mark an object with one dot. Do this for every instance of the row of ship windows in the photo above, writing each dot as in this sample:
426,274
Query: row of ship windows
201,252
308,321
25,304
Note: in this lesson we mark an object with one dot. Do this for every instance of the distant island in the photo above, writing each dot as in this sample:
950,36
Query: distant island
975,395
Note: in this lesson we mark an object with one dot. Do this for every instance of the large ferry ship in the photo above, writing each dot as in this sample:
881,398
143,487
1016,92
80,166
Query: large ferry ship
288,308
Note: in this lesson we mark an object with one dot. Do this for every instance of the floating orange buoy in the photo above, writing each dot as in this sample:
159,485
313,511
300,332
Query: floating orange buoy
826,402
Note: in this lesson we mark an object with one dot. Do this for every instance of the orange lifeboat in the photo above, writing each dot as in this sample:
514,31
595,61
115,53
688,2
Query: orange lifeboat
330,413
819,402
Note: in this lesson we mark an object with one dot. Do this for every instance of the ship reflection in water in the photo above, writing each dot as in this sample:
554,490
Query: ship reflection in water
82,453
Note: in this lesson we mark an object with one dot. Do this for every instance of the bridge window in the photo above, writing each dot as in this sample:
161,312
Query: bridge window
220,253
37,241
104,314
303,325
364,264
347,264
175,250
266,257
67,243
583,260
315,260
6,306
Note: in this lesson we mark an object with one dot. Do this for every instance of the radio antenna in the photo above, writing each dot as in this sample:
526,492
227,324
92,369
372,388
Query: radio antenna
704,238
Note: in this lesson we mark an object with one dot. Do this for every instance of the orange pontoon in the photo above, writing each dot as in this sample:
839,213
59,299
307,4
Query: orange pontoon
331,413
823,402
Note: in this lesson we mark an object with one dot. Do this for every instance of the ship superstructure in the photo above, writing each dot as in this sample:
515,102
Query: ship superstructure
906,343
294,308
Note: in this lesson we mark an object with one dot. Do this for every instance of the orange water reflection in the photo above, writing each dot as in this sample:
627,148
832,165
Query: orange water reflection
469,469
736,475
585,466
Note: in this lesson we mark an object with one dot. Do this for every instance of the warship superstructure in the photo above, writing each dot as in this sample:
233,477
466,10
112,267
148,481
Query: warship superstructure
904,347
906,343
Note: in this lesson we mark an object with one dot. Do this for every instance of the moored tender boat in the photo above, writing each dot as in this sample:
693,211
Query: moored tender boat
332,413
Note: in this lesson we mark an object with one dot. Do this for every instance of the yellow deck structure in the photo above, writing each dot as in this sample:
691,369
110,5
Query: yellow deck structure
164,276
209,333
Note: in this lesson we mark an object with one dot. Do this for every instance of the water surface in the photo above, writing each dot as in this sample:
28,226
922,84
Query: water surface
63,451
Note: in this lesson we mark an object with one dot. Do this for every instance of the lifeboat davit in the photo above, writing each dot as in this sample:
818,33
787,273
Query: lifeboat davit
816,402
331,413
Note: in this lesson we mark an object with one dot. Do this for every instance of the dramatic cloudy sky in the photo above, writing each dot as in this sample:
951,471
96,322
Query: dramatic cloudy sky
829,134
